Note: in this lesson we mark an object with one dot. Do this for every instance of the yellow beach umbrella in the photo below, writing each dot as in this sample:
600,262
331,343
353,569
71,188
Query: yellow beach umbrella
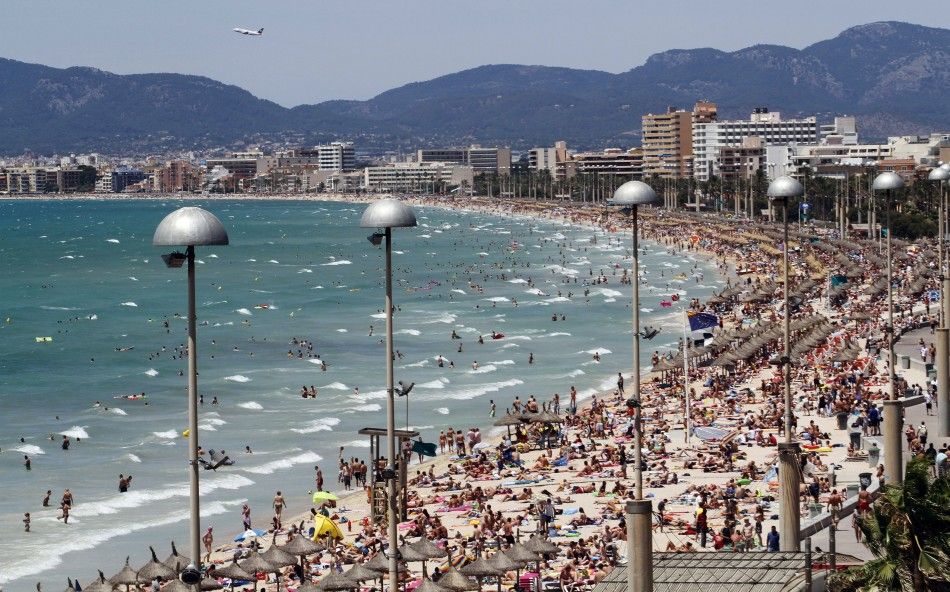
324,496
324,526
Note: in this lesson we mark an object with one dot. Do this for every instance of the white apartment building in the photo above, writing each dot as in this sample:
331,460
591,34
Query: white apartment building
412,176
767,125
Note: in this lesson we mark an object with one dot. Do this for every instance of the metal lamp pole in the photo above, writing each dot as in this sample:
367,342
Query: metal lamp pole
191,226
942,341
893,408
779,192
387,214
639,511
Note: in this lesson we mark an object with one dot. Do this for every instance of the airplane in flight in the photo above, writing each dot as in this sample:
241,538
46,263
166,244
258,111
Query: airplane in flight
256,33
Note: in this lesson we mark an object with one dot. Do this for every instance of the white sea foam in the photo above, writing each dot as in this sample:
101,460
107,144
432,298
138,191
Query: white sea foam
457,291
518,337
275,261
151,372
607,292
599,350
558,334
322,424
517,281
357,444
316,361
379,315
252,405
474,391
28,449
130,304
133,457
606,300
133,278
167,435
497,299
442,410
244,311
336,386
112,240
368,408
340,262
76,432
118,411
237,378
58,308
509,346
434,384
557,299
140,497
284,463
408,332
418,364
342,331
535,291
304,270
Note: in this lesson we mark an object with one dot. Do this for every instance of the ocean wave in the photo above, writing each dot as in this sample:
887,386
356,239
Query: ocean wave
367,408
497,299
535,292
379,315
167,434
442,410
408,332
76,432
336,386
151,372
557,299
472,392
284,463
503,363
418,364
434,384
49,554
244,311
323,424
28,449
44,307
112,240
484,369
252,405
137,498
131,304
517,281
118,411
133,457
237,378
558,334
457,291
340,262
358,443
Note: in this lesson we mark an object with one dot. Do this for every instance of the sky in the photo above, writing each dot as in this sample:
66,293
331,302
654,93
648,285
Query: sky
316,50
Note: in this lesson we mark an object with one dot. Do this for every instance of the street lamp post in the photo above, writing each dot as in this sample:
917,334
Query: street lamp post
780,191
384,215
940,175
639,511
893,409
191,227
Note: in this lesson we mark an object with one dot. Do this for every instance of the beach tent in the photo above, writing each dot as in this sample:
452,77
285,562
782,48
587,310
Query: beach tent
324,526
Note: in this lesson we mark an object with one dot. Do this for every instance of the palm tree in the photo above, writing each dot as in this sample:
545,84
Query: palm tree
908,531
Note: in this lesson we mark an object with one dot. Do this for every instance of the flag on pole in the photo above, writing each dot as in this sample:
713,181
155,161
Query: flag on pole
702,320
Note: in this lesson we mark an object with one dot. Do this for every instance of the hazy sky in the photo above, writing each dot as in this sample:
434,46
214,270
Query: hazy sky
314,50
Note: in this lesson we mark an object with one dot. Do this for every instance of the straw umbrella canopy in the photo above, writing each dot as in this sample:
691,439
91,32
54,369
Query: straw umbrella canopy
481,568
176,558
428,585
360,573
547,417
334,581
155,569
308,587
278,557
408,553
302,546
505,563
126,576
232,571
177,586
508,420
256,563
209,584
380,563
456,581
519,553
538,544
429,549
100,584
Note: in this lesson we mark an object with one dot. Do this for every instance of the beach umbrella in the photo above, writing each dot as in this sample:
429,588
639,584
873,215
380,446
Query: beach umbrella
481,568
177,586
308,587
407,553
508,420
456,581
256,563
537,544
249,534
155,569
324,496
505,563
335,581
176,558
232,571
324,526
519,553
380,563
302,546
360,573
278,558
126,576
428,585
429,549
100,584
547,417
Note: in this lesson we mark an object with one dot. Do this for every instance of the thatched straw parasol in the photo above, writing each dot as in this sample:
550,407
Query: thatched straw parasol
508,420
126,576
380,563
302,546
429,549
209,584
360,573
155,569
504,563
100,584
232,571
481,568
256,564
334,581
537,544
455,580
519,553
428,585
176,558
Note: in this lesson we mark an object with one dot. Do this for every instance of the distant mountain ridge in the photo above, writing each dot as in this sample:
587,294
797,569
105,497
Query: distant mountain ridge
894,76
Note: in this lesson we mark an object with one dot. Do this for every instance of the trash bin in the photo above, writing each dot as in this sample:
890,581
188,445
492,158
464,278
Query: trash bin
842,420
865,480
905,362
852,490
814,510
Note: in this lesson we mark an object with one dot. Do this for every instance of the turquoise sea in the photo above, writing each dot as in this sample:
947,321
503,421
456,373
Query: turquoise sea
86,274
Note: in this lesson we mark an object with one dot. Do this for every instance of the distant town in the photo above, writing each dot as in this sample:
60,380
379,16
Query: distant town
693,145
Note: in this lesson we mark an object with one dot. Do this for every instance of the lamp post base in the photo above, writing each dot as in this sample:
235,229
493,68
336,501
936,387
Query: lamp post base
893,446
789,495
943,382
639,545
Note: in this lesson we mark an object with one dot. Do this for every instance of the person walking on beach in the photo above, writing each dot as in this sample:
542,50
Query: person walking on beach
26,522
208,540
772,541
46,497
64,516
27,463
620,382
279,504
319,478
246,516
492,408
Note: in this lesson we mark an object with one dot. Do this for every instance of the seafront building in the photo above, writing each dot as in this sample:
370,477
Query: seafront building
481,160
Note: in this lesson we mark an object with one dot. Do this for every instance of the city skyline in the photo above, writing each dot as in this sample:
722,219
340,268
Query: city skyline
378,47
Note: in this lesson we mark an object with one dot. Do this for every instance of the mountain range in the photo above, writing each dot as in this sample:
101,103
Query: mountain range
895,77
